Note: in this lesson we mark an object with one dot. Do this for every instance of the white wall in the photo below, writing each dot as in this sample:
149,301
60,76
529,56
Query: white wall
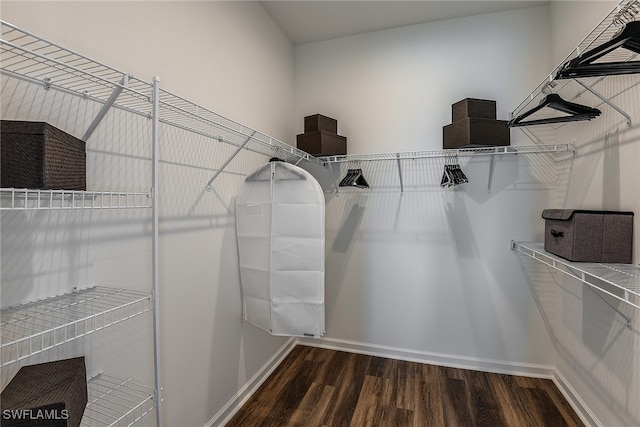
597,354
429,274
231,58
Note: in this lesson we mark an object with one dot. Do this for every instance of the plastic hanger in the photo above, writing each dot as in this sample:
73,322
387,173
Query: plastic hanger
354,178
584,66
453,175
576,112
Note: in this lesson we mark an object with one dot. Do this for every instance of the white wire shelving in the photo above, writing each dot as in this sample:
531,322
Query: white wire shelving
28,199
187,115
460,152
572,89
620,281
34,327
116,402
29,58
452,154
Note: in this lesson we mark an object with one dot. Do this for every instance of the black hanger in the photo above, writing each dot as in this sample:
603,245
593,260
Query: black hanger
576,112
453,176
354,178
583,65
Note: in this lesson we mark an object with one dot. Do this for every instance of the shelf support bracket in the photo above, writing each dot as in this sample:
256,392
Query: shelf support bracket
124,82
583,279
606,101
219,171
400,173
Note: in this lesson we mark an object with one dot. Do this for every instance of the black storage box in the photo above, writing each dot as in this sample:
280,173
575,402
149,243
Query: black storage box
471,107
589,236
322,143
37,155
474,131
46,394
319,122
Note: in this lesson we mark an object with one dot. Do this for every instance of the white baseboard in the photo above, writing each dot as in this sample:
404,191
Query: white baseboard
453,361
579,406
229,410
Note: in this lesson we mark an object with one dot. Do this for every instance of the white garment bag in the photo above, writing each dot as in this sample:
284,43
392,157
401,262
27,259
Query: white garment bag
280,229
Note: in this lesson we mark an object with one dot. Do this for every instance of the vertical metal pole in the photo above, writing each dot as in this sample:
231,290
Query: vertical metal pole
155,249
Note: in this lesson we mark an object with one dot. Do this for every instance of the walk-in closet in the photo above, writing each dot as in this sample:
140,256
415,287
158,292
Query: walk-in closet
312,213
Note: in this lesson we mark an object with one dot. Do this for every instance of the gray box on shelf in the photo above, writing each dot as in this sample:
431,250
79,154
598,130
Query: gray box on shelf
317,122
37,155
588,235
474,124
474,131
322,143
472,107
320,137
46,394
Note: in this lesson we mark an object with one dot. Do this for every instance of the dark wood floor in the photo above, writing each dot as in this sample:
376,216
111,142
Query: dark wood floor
318,387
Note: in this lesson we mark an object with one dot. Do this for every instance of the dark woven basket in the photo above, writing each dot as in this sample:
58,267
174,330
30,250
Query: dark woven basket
39,156
55,390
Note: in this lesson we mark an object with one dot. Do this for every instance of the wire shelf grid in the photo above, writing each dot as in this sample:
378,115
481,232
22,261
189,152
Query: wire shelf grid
608,28
116,402
28,199
34,327
461,152
184,114
623,279
28,57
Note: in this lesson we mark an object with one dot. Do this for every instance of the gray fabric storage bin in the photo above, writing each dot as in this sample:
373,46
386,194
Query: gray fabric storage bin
589,236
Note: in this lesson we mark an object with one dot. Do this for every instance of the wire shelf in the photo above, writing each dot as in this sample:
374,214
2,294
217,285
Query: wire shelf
184,114
28,57
116,402
34,327
461,152
27,199
623,280
624,12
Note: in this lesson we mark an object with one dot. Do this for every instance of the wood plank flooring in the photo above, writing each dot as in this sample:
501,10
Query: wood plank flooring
319,387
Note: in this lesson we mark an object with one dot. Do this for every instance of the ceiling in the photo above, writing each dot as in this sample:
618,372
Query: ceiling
312,21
